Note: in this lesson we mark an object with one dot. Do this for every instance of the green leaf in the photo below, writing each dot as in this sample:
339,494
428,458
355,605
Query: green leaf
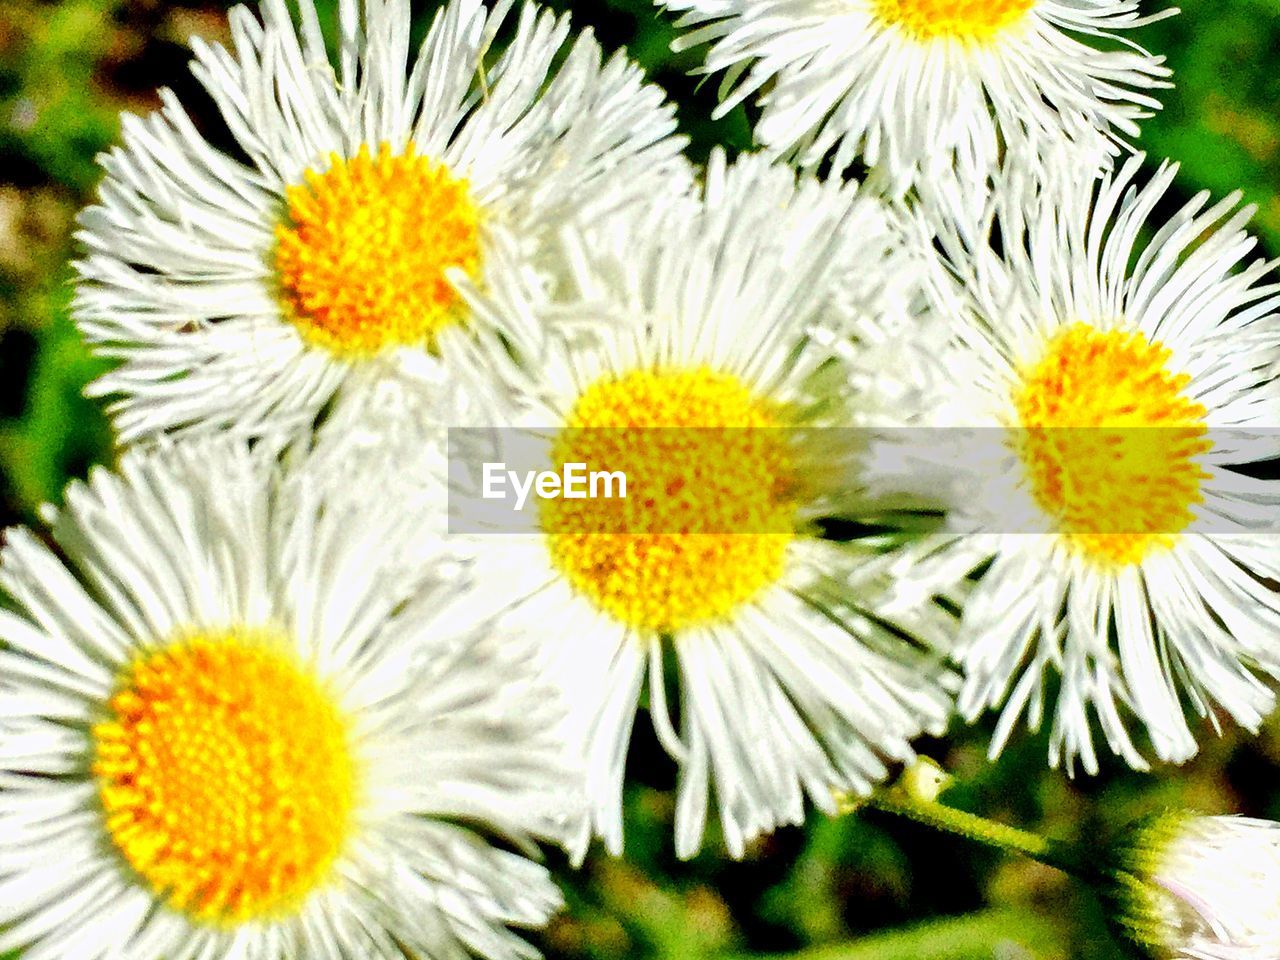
61,433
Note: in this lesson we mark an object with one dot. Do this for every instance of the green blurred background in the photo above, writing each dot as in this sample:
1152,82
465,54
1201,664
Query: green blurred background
858,888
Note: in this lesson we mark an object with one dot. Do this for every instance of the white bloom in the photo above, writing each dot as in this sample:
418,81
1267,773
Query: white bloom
1114,382
240,292
1200,888
690,335
222,736
917,86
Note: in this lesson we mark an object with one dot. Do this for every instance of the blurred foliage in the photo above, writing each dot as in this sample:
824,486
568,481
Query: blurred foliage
856,888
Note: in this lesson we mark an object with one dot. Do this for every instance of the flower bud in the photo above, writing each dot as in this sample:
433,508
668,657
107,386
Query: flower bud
1187,887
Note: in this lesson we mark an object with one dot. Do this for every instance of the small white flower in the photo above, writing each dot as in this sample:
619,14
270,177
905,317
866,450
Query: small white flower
222,736
1199,888
916,87
1105,386
241,292
695,362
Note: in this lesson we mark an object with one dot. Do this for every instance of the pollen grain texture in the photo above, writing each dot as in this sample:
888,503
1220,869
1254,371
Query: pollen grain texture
974,20
226,776
711,498
364,248
1110,442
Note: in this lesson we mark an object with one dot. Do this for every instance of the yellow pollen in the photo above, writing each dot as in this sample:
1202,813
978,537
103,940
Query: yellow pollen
1109,443
364,248
710,506
226,776
979,20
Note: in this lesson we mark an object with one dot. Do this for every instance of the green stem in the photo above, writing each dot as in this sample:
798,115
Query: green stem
1053,853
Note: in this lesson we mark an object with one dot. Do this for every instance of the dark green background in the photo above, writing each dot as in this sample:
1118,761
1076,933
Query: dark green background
852,889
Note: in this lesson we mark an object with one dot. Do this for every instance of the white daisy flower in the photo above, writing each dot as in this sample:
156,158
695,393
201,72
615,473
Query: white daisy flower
1188,887
914,87
222,737
241,292
1127,365
696,366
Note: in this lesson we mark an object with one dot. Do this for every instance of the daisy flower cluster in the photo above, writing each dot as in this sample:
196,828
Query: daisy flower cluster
931,406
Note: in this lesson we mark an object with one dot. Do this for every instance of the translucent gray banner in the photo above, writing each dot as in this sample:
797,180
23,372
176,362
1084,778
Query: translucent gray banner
1111,480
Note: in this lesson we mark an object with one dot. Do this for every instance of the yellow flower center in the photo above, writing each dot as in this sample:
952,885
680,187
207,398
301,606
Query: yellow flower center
226,776
710,502
364,248
978,20
1109,442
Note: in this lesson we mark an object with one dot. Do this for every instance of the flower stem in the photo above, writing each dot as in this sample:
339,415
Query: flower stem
1053,853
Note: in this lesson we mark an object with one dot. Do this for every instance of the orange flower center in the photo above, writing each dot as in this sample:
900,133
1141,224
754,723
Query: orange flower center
364,252
226,776
980,20
710,502
1109,442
